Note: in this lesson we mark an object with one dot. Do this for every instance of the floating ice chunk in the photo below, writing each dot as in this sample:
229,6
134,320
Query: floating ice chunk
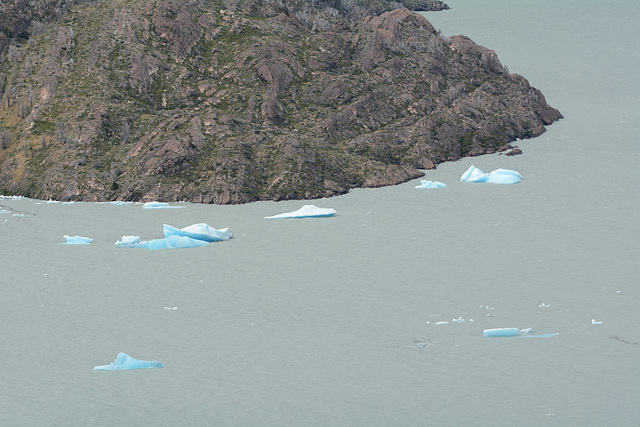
119,203
473,174
124,361
171,242
68,203
501,332
128,241
458,320
498,176
4,211
544,305
159,205
593,322
307,211
515,332
199,232
77,240
441,323
431,184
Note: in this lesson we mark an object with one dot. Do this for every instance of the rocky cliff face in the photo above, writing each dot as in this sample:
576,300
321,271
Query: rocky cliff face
235,101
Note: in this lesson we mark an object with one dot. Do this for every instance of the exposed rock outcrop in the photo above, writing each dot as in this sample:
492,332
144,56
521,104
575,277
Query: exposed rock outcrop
241,100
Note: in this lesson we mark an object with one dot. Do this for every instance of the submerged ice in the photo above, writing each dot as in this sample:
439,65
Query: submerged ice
307,211
498,176
124,361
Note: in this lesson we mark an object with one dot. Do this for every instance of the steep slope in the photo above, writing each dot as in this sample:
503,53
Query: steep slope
237,101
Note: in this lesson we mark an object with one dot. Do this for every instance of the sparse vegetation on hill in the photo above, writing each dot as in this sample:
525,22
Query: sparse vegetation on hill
241,100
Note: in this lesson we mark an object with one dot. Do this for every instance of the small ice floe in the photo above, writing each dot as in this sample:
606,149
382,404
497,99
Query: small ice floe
68,203
3,211
124,361
118,203
171,242
544,305
486,307
77,240
498,176
458,320
501,332
307,211
593,322
441,323
159,205
170,308
515,332
431,184
199,232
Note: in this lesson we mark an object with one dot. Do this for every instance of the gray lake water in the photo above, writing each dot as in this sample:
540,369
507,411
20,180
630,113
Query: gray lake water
332,322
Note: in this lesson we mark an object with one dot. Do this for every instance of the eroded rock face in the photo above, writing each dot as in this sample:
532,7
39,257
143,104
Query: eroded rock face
237,101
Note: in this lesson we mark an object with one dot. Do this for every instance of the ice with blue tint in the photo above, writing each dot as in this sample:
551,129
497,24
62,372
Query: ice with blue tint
306,211
119,203
201,231
515,332
430,184
124,361
498,176
159,205
77,240
171,242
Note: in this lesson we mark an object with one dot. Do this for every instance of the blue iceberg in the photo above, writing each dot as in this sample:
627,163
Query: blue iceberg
171,242
159,205
498,176
515,332
202,232
307,211
431,184
77,240
124,361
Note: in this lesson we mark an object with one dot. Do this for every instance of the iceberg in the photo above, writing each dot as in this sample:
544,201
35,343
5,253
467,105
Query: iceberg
124,361
159,205
498,176
77,240
430,184
515,332
171,242
501,332
307,211
202,232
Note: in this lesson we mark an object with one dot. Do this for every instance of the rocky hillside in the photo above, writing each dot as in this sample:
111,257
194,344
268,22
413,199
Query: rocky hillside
232,101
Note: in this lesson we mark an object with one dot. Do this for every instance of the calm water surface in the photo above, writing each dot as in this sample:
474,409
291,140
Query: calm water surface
332,321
